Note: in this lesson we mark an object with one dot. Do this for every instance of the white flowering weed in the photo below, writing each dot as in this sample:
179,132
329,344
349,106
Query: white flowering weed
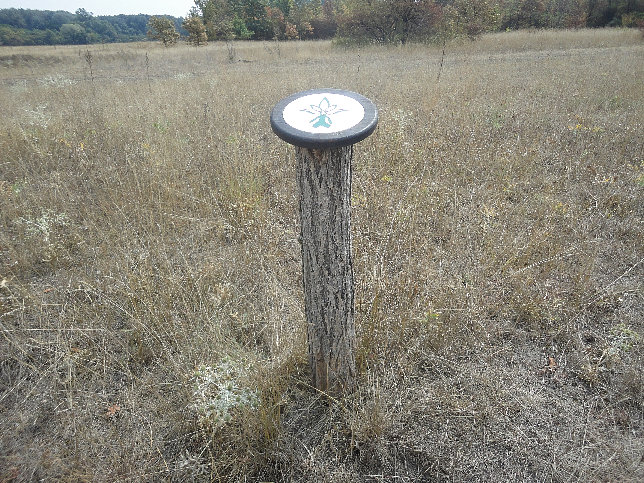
219,390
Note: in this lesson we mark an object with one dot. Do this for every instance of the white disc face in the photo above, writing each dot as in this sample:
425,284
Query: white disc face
323,113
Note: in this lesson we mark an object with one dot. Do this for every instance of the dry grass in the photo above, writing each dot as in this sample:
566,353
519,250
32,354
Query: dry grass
150,298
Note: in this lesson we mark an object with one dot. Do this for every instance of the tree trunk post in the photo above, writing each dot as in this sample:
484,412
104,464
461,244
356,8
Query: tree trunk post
324,124
324,185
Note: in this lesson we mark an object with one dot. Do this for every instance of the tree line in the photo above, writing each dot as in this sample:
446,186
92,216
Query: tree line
436,20
46,27
353,20
398,20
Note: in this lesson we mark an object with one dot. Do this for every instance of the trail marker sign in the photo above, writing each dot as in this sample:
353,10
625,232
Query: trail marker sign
323,124
324,118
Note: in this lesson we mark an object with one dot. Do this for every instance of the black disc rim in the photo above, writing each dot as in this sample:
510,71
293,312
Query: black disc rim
305,139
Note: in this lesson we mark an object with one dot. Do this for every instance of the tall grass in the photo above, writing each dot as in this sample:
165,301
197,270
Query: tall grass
150,292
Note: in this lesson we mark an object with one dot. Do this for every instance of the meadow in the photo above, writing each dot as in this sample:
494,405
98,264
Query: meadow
151,307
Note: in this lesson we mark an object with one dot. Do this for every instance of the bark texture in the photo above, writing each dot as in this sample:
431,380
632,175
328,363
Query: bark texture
324,181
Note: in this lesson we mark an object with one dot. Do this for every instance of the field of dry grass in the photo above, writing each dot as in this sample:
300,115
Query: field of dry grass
151,309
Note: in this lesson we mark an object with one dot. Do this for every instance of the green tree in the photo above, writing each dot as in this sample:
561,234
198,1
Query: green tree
13,18
103,30
257,19
218,17
284,5
240,29
72,33
83,15
13,36
45,27
163,29
234,19
196,31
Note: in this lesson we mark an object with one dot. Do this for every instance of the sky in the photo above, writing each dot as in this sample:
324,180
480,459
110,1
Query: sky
176,8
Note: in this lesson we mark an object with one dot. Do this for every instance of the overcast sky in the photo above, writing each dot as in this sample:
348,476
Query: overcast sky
176,8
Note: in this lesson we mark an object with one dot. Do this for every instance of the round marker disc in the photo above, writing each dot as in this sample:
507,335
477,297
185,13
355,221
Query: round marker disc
324,118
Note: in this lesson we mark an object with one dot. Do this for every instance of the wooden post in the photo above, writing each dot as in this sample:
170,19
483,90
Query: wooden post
324,124
324,182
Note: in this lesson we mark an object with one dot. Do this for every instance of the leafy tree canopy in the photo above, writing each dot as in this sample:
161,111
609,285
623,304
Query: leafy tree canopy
356,20
163,29
43,27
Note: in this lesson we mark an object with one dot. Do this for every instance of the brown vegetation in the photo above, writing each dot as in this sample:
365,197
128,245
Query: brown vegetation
150,291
